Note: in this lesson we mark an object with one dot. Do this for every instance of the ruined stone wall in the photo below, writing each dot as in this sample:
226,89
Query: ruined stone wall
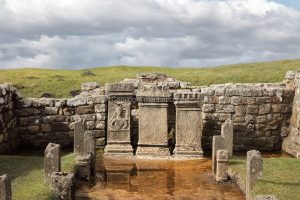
45,120
8,135
260,112
291,143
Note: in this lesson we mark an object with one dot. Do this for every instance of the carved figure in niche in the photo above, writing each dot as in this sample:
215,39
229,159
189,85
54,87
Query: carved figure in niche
119,120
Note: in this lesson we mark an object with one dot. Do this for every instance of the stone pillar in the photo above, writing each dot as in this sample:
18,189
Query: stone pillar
227,133
78,138
254,170
89,143
218,143
153,121
222,165
119,107
265,197
5,188
52,159
63,185
83,167
188,124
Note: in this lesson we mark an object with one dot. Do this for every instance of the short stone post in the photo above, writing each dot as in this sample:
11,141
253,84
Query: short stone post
89,143
63,185
153,104
78,138
254,170
5,188
188,124
227,133
83,167
119,121
222,165
52,161
265,197
218,143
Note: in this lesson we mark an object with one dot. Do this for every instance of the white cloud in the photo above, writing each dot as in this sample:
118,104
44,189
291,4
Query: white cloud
77,34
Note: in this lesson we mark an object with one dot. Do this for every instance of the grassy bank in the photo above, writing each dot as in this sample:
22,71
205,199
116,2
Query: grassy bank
281,177
34,82
27,173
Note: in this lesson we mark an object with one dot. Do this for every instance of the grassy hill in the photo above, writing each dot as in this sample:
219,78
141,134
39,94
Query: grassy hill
34,82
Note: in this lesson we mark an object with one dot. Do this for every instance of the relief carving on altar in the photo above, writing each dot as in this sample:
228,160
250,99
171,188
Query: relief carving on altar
119,120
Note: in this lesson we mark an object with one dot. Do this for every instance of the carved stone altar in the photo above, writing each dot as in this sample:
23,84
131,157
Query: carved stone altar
120,96
153,120
188,124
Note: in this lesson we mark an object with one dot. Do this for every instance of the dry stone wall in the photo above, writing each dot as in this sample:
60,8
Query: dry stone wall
45,120
291,143
260,113
8,135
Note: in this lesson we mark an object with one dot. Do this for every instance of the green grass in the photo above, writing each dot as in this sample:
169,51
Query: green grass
281,177
27,173
34,82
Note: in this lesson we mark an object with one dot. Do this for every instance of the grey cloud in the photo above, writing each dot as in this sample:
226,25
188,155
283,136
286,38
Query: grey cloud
77,34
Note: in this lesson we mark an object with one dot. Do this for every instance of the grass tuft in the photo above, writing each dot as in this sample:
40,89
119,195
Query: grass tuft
27,173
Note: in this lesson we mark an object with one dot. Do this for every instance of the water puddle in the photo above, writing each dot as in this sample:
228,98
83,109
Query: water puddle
134,179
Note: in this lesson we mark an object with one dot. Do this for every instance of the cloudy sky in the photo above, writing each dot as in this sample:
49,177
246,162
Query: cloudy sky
74,34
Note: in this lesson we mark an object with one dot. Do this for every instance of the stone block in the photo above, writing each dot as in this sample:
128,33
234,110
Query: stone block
60,126
45,128
218,143
77,101
89,86
83,167
34,120
89,142
254,170
264,109
100,125
222,165
227,134
43,102
54,118
101,99
84,109
208,108
5,188
63,185
51,110
23,121
252,109
52,160
78,138
100,108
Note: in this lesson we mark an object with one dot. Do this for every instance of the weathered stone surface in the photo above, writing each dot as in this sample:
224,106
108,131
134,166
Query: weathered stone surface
153,130
63,185
89,143
222,165
52,160
83,167
78,138
42,102
89,86
5,188
119,120
77,101
217,144
254,170
188,124
265,197
227,133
